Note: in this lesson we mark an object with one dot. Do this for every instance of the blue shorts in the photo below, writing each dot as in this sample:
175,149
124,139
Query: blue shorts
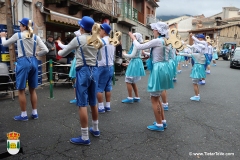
105,78
186,58
86,85
192,62
26,70
210,57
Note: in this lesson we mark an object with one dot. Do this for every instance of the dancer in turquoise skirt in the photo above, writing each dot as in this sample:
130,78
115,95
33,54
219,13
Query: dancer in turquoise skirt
198,70
160,77
72,72
135,71
173,68
180,59
215,56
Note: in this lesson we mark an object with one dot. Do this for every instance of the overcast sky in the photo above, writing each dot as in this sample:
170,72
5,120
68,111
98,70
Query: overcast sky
194,7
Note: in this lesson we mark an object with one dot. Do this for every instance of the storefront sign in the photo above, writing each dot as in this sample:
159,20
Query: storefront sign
40,33
5,57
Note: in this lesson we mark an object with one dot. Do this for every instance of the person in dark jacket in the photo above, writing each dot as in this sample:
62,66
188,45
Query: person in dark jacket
51,54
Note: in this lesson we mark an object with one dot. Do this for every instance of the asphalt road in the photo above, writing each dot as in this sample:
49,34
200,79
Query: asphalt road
209,128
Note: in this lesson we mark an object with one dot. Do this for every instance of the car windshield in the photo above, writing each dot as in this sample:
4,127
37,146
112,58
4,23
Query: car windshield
226,46
236,54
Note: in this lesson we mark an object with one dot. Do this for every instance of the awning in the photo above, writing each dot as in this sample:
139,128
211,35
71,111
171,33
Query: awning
62,18
53,16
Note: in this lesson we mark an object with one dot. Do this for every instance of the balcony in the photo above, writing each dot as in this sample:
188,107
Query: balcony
127,14
153,3
98,9
151,19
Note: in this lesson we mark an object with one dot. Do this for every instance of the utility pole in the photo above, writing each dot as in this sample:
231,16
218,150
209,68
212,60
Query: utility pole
10,32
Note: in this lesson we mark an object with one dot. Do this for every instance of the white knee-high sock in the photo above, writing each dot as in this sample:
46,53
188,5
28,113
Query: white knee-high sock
95,125
85,133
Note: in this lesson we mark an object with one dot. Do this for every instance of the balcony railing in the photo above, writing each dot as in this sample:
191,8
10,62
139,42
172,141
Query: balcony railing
109,8
151,19
127,11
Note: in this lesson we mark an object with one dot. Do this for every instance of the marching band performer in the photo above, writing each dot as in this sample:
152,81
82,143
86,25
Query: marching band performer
210,55
105,69
159,78
27,65
215,56
86,80
198,70
134,71
200,39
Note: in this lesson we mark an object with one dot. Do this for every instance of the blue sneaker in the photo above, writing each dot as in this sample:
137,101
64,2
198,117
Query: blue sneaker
201,83
165,107
136,99
20,118
164,124
94,133
80,141
174,80
101,110
194,98
107,109
74,101
34,116
155,128
127,100
179,71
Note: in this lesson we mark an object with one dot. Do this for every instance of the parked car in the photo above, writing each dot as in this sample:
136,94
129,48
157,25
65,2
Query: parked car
227,50
235,60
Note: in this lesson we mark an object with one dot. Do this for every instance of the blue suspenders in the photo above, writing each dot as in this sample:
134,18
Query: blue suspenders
106,52
21,43
83,58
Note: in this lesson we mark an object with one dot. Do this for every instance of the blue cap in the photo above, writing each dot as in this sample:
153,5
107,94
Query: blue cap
79,22
201,36
86,23
25,21
106,27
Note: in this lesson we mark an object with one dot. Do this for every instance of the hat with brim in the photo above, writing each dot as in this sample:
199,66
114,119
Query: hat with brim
24,21
106,27
86,23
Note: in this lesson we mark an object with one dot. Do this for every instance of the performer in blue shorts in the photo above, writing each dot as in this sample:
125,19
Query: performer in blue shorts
86,80
105,69
27,65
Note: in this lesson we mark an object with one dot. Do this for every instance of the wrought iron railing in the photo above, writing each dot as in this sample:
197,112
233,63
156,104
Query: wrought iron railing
127,11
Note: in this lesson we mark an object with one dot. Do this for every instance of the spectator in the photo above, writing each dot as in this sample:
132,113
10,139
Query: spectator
119,50
51,54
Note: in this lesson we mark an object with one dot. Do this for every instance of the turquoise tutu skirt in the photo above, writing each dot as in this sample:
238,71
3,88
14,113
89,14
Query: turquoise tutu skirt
72,72
135,68
180,58
160,77
173,67
215,56
198,71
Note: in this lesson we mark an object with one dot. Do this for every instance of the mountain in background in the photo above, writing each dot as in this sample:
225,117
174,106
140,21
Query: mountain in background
168,17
